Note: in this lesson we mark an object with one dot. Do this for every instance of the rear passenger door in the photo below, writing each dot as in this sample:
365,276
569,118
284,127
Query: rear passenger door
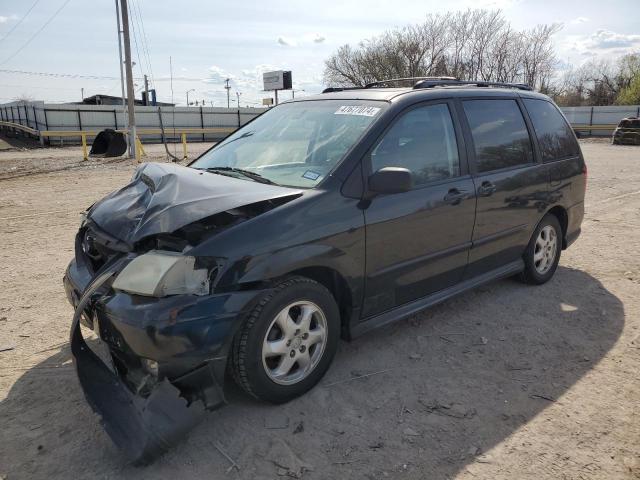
511,187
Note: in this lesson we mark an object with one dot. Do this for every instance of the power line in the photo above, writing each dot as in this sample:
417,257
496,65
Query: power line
20,21
145,41
135,40
37,33
62,75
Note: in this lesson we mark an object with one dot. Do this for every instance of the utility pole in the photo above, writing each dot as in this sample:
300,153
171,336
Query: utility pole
238,97
82,93
227,87
133,151
124,108
146,90
191,90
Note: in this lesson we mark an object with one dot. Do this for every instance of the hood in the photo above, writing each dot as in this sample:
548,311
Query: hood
164,197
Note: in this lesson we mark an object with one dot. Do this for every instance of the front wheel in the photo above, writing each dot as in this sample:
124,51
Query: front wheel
543,252
287,342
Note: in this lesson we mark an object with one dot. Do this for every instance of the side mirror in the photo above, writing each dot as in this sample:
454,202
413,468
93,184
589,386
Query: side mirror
391,180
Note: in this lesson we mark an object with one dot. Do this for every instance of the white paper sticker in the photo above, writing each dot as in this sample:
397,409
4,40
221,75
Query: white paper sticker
357,110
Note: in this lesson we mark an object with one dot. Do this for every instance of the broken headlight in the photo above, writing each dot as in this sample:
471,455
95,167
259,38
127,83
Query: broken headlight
162,273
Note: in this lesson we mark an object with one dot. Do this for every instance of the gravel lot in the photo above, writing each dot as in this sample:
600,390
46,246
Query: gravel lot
504,382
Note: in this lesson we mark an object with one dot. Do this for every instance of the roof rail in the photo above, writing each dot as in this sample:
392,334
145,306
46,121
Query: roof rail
428,83
406,79
339,89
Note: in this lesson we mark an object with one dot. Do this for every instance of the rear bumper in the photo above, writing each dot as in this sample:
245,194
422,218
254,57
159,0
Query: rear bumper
189,338
575,215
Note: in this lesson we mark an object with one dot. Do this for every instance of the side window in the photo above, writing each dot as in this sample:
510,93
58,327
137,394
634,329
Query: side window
554,135
423,140
500,136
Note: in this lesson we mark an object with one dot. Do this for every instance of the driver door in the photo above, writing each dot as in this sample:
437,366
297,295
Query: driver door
418,242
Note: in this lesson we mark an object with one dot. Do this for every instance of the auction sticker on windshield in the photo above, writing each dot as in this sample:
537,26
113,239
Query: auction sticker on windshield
357,110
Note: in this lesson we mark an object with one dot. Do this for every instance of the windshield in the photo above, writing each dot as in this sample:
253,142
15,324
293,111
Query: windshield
294,144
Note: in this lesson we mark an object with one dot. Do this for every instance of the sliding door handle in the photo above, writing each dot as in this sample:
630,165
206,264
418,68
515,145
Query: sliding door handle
486,189
454,196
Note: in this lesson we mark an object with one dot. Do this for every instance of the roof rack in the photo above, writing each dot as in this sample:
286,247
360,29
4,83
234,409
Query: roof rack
339,89
428,83
406,79
431,82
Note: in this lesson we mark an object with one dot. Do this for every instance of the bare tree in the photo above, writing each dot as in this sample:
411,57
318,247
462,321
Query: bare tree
23,98
472,44
598,82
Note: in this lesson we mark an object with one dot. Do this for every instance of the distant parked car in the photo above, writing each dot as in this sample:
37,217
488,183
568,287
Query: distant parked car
627,132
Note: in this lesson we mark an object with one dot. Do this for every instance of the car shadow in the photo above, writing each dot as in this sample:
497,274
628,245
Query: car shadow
422,398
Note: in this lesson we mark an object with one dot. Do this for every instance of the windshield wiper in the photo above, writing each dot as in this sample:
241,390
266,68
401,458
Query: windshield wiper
247,173
240,137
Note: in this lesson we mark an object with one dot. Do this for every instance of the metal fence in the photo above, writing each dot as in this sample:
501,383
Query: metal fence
212,123
203,123
599,121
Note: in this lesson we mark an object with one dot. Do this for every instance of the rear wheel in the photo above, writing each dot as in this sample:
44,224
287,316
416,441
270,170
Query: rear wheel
543,252
287,342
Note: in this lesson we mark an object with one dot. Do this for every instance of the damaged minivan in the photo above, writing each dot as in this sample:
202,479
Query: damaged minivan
323,218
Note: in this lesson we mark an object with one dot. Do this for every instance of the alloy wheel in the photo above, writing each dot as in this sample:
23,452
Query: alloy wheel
545,249
294,342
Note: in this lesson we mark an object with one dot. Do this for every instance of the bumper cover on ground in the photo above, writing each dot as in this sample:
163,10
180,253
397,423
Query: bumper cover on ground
143,428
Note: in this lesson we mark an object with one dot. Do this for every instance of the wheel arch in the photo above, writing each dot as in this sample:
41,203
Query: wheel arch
563,218
339,288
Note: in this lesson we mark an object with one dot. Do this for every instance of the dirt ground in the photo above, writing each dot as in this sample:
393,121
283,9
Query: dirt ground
505,382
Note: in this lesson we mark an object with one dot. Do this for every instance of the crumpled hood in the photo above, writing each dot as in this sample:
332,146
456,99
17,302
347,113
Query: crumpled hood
164,197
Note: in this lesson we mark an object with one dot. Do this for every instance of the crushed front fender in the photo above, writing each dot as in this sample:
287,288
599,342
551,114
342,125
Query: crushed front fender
142,427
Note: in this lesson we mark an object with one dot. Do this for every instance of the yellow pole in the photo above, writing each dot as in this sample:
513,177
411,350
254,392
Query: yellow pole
139,150
184,145
84,147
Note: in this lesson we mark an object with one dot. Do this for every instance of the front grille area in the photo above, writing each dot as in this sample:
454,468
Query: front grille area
95,250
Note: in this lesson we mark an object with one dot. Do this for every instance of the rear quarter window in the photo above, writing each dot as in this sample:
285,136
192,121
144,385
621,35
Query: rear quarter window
555,137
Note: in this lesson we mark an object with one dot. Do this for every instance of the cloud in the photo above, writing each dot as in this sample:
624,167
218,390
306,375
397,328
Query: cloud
602,43
309,38
579,20
287,42
5,19
218,75
605,39
495,4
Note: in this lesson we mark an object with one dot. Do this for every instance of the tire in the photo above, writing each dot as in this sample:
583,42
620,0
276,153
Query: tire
261,356
539,270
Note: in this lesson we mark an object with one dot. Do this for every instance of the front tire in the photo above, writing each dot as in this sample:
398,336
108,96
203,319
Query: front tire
287,342
543,252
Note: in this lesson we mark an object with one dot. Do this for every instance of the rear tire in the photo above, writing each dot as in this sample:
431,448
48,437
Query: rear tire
287,342
543,252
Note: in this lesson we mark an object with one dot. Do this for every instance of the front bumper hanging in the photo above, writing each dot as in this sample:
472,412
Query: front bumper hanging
143,428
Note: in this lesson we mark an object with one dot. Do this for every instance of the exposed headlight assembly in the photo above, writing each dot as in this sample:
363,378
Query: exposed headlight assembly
160,273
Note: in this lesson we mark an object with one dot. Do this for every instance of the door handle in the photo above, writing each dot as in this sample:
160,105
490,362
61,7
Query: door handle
486,189
454,196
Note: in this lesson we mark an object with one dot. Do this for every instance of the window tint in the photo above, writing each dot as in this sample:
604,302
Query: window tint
499,134
554,135
423,140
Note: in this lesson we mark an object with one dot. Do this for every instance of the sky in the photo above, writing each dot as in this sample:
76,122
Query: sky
70,45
